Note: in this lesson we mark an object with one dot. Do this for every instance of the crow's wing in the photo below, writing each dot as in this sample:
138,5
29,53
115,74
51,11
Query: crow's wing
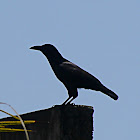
72,74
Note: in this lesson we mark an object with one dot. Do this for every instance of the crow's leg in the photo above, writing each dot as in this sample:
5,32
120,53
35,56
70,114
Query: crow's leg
67,100
73,93
71,99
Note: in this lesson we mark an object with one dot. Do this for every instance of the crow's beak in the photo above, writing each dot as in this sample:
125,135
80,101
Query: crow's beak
35,48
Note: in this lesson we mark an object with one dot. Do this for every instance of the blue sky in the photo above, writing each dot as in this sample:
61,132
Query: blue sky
102,37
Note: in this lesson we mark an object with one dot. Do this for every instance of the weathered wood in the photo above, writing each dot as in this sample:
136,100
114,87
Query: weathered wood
70,122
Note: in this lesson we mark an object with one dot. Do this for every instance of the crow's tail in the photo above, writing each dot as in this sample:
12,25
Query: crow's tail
109,93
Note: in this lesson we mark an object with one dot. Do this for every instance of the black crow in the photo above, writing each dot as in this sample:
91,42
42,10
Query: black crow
72,76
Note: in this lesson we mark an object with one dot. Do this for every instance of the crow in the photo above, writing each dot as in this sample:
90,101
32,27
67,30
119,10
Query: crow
72,76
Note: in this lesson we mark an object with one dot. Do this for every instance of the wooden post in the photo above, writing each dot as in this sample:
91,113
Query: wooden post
70,122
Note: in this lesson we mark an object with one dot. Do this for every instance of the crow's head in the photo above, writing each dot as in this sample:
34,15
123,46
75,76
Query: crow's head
44,48
48,50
